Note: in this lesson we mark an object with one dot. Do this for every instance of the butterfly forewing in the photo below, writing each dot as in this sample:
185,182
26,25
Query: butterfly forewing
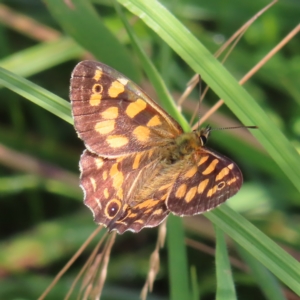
113,116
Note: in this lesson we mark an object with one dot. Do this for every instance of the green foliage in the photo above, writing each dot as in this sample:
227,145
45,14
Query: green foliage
41,223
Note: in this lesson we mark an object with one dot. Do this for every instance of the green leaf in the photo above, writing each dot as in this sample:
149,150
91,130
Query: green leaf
177,257
265,280
41,57
81,21
225,284
284,266
36,94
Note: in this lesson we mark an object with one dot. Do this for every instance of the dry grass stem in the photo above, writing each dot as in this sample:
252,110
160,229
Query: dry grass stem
234,39
26,163
86,266
154,261
70,262
26,25
262,62
106,256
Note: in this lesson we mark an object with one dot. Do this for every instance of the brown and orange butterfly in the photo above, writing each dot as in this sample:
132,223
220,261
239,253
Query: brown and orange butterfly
139,165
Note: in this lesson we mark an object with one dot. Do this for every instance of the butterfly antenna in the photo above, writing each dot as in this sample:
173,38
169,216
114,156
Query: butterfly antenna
235,127
200,100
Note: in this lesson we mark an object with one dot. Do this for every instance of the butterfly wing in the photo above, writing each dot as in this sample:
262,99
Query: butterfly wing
108,186
205,182
113,116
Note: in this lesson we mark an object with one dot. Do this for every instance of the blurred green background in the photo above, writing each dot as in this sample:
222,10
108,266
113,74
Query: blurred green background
43,220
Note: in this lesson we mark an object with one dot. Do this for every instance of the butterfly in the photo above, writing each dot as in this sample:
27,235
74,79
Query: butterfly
139,165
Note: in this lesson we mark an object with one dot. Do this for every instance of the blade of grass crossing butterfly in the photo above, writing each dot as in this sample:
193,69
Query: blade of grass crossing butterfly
163,94
225,284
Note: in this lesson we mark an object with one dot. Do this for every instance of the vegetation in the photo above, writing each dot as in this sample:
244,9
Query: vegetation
43,219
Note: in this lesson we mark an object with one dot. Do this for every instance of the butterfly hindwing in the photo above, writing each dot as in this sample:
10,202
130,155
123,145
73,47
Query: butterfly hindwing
112,188
207,181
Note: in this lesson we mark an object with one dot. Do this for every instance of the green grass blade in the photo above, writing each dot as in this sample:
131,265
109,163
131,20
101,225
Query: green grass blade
41,57
225,283
36,94
81,21
284,266
264,279
177,257
194,283
221,81
154,76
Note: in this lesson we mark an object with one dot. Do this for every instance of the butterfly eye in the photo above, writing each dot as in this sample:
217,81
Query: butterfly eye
203,139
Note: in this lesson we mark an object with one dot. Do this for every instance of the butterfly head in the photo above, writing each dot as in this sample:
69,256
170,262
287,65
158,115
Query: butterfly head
203,134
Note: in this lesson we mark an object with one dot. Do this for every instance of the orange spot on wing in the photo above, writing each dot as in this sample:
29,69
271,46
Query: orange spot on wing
166,186
120,193
222,173
104,175
110,113
141,133
147,204
113,170
115,89
105,193
118,180
180,192
230,166
158,212
150,153
203,160
105,127
99,162
154,121
136,162
229,182
117,141
190,194
123,80
212,191
139,221
135,107
98,203
93,182
203,184
95,99
132,215
191,172
98,74
211,167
